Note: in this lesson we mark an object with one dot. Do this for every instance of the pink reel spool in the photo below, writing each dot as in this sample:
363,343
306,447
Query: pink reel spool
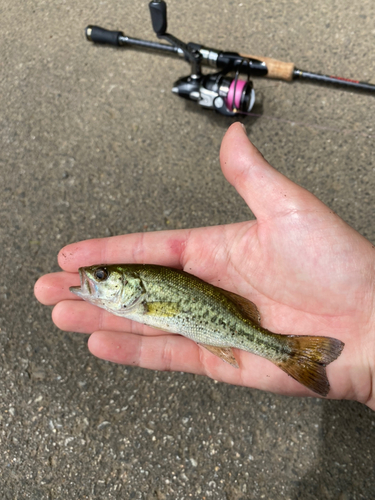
237,94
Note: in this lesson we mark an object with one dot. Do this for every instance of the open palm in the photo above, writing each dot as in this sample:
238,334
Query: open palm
308,272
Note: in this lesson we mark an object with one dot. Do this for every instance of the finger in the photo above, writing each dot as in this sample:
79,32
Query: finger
177,353
82,317
51,288
199,251
166,352
267,192
160,247
178,249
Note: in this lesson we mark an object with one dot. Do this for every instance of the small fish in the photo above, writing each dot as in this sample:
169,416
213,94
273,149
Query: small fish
178,302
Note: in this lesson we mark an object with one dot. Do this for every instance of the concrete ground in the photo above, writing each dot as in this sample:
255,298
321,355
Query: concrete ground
93,143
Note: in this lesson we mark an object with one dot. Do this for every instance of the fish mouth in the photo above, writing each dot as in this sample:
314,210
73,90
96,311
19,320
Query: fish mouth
84,289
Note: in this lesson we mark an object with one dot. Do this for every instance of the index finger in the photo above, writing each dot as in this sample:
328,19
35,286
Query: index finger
165,248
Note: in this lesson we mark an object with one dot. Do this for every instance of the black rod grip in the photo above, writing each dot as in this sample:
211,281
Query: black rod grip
100,35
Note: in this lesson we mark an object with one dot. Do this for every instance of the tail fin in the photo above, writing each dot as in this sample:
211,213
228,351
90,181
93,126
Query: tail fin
308,358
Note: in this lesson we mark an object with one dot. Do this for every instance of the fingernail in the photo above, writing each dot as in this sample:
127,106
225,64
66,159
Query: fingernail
244,128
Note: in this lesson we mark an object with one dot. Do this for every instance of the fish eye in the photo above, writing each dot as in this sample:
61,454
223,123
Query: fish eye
101,274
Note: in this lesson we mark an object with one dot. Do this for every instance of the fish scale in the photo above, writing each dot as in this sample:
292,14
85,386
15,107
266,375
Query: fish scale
219,320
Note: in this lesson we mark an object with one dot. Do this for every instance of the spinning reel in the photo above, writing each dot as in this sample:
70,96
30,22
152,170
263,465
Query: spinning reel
224,94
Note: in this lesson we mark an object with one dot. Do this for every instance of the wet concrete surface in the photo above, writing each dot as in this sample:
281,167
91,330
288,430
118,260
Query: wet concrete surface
93,143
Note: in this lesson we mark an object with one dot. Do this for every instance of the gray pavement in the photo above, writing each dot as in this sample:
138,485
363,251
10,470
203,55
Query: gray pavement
93,143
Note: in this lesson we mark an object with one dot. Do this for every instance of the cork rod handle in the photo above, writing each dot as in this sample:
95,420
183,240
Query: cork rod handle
276,69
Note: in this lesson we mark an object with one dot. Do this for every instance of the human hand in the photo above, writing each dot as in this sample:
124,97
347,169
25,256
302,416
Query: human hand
308,272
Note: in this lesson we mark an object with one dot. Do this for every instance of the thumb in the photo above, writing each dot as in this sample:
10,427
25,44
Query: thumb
267,192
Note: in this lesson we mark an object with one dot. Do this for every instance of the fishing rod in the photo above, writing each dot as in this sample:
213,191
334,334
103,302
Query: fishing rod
227,94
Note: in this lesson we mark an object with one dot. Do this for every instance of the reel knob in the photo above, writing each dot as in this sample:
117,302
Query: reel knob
158,11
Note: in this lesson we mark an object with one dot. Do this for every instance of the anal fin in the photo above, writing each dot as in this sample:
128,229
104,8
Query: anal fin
225,353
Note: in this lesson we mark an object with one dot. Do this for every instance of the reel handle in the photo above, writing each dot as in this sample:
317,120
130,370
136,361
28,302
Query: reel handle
158,11
276,69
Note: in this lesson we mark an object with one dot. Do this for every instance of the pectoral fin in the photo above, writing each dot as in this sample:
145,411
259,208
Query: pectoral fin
225,353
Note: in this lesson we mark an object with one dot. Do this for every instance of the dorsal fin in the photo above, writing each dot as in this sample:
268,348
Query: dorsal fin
245,306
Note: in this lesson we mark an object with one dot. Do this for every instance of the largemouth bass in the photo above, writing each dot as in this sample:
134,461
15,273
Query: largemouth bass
178,302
